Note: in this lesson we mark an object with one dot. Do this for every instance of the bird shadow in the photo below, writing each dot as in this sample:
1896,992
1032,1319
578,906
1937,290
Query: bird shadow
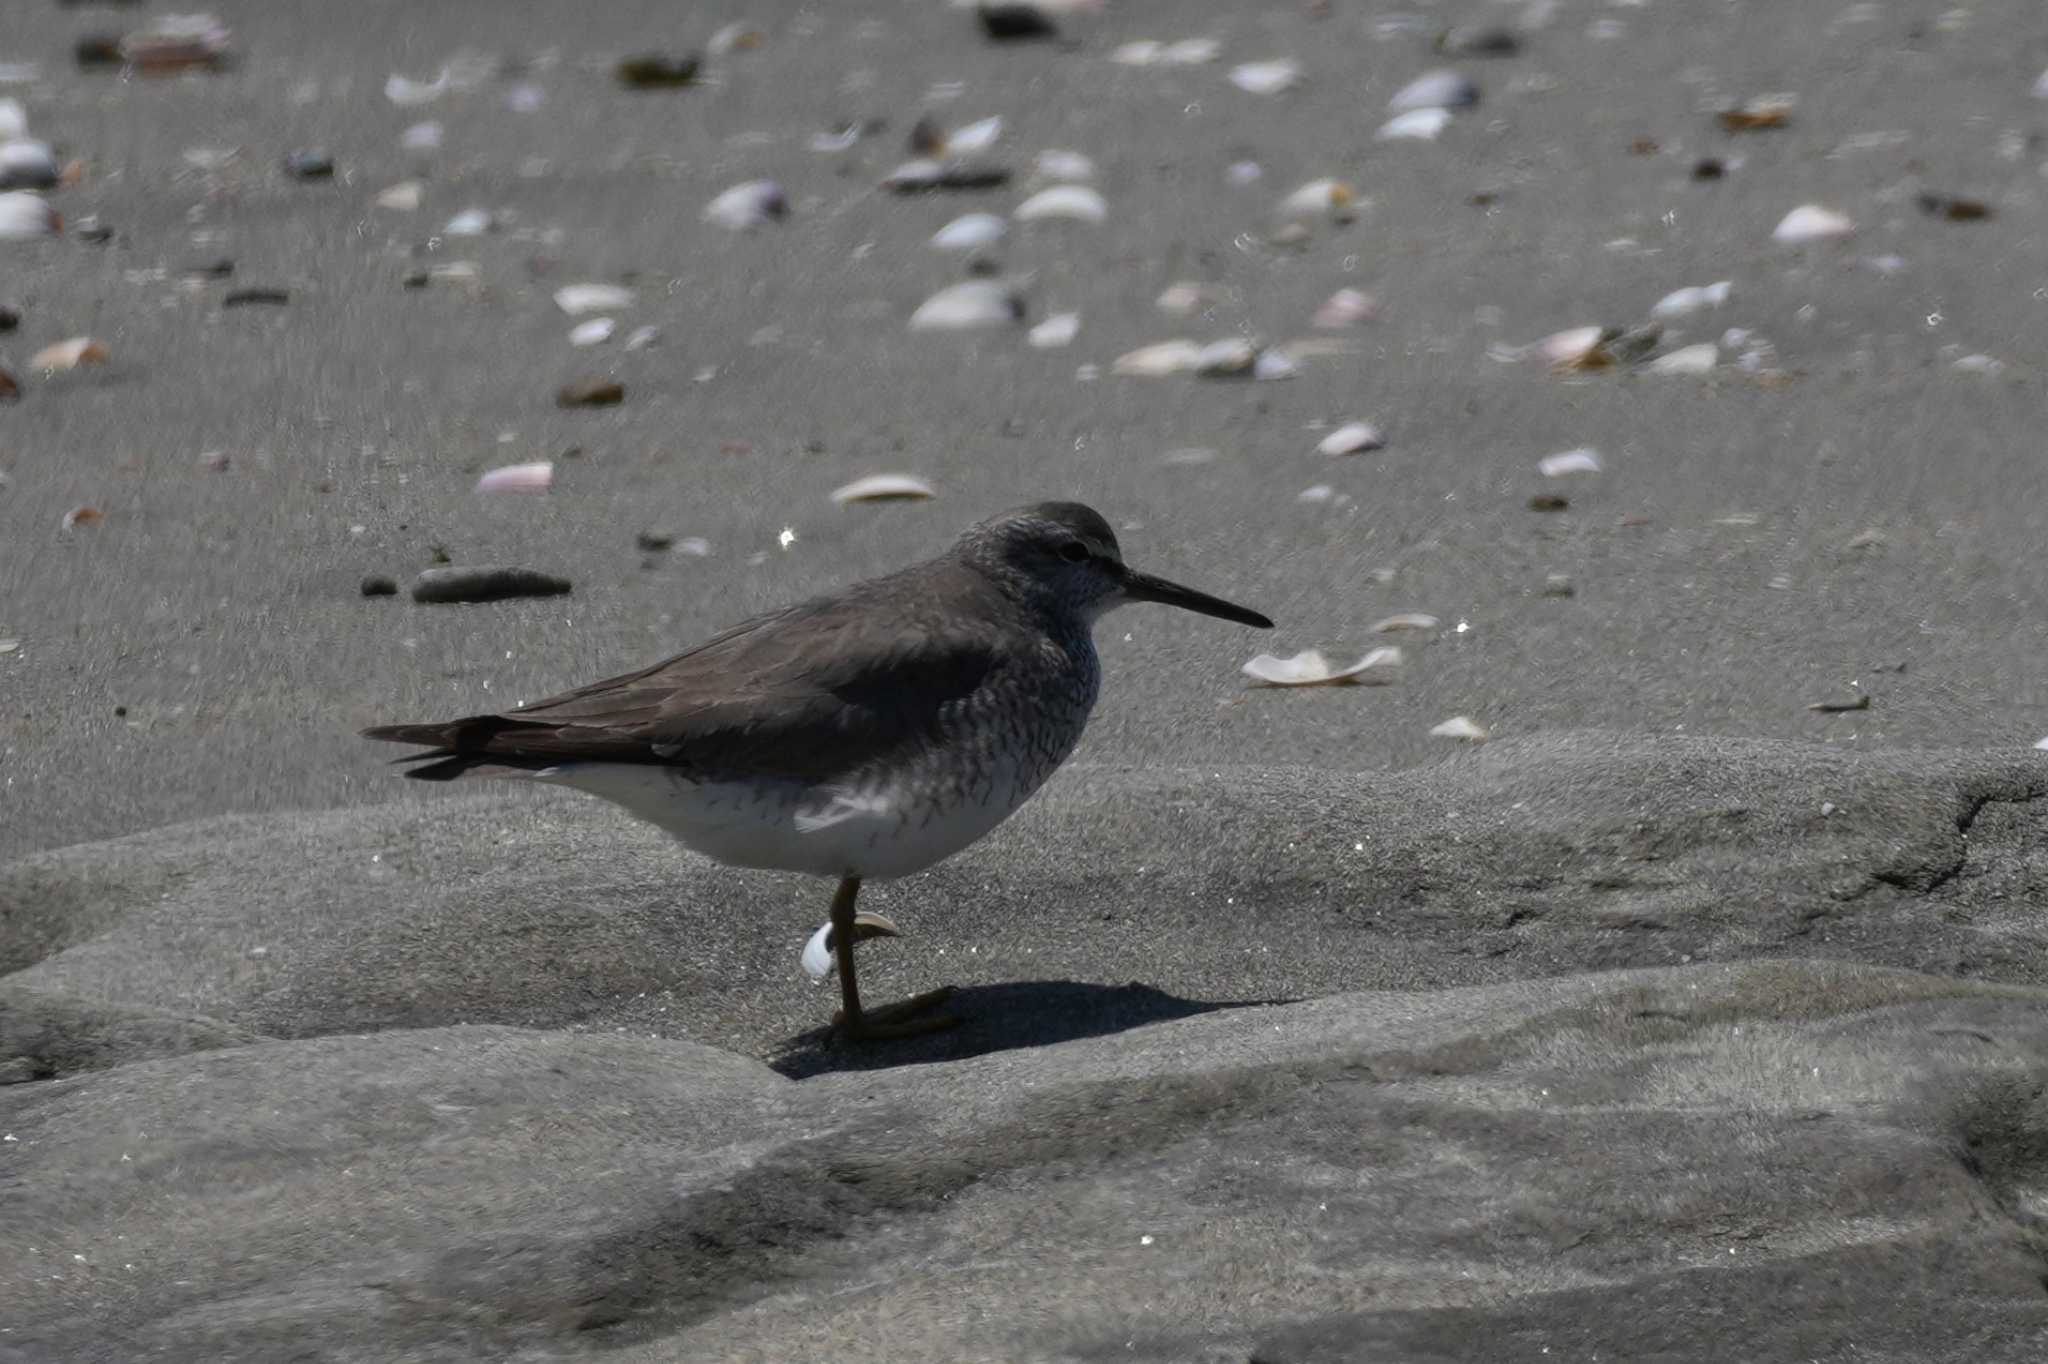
1031,1013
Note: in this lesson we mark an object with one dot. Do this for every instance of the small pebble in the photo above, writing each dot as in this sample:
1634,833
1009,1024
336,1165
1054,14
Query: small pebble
591,393
593,298
1352,438
379,585
1569,462
971,304
309,165
403,197
970,233
654,541
24,215
1058,330
1435,90
1417,125
1015,23
79,350
27,164
1266,78
1548,502
1558,585
10,388
471,222
1812,223
747,205
1698,359
422,137
1954,209
657,72
594,332
440,585
244,298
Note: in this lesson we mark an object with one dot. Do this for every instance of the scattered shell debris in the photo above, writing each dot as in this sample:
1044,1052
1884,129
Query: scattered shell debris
884,488
1310,668
1763,114
1459,727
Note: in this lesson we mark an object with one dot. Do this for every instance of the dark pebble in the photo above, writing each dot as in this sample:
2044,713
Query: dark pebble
243,298
10,391
209,269
1488,41
1015,23
654,541
436,585
1548,502
10,318
309,166
591,393
657,72
378,585
91,229
1709,168
1953,209
959,177
97,50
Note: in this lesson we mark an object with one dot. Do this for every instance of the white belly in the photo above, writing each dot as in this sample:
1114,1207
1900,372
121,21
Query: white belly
874,832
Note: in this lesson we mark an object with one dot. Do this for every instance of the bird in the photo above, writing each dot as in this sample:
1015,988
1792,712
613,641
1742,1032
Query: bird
866,734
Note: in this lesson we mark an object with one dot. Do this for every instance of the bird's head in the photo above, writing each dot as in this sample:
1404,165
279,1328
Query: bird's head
1064,556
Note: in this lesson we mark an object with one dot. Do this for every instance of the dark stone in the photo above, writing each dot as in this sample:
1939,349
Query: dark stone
1015,23
309,165
242,298
658,72
380,585
591,393
467,584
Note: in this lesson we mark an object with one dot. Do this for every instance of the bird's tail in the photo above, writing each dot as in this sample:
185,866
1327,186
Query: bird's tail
455,750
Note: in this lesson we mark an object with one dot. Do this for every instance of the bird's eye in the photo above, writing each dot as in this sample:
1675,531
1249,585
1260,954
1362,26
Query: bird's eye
1074,552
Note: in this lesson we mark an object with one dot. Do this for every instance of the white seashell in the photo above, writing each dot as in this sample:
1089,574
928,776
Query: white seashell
1319,492
1064,166
1063,201
747,205
1181,298
471,222
1697,298
1569,347
421,137
1345,308
1144,52
969,233
1459,727
406,92
971,303
525,99
2042,743
640,338
1275,364
590,298
518,478
1241,173
818,958
1812,223
1310,669
403,197
1417,125
923,173
1699,359
1231,356
1406,620
79,350
884,488
1978,364
13,119
1434,90
840,141
1056,331
1160,358
1266,78
1317,196
1190,52
27,164
24,215
1350,439
594,332
974,137
1570,462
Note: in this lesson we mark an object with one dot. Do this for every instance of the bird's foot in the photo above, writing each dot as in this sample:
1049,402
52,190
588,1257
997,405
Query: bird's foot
909,1018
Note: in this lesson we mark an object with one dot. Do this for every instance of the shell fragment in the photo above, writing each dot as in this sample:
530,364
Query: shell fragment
884,488
818,958
1310,668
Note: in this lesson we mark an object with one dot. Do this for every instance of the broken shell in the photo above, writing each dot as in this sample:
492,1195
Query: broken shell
421,137
1350,439
1345,308
590,298
969,233
1861,701
820,961
1266,78
27,164
971,303
518,478
1571,349
1699,359
1811,223
1160,358
406,93
24,215
1318,196
1056,331
734,38
1311,669
1758,115
747,205
1569,462
1063,166
1459,727
177,42
83,516
79,350
594,332
1417,125
1406,620
403,197
884,488
1434,90
1063,201
1698,297
471,222
1180,298
1227,358
1274,365
1949,206
970,138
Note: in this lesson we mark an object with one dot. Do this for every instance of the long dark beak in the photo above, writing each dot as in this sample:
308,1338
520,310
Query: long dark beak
1145,587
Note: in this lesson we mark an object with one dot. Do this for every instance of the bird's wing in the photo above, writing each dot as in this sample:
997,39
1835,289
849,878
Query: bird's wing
809,693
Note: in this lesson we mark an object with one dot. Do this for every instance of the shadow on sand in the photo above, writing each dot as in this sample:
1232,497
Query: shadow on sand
1032,1013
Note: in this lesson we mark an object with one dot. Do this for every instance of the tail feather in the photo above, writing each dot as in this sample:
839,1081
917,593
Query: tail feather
459,748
